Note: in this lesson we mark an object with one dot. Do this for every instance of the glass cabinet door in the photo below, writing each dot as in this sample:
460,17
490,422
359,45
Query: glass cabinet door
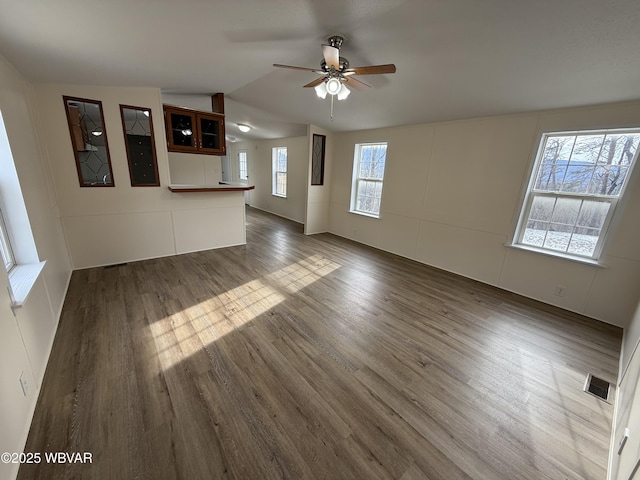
211,132
181,130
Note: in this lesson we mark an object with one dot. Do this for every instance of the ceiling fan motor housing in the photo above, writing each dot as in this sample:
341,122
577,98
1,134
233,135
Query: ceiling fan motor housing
344,64
335,41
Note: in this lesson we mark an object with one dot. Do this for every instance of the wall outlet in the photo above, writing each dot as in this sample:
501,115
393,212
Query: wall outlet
560,290
24,384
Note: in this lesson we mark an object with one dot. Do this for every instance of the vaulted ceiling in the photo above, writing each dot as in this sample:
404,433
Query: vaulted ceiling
455,58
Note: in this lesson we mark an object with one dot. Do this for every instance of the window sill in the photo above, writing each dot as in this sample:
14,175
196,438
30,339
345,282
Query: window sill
22,278
364,214
564,256
280,196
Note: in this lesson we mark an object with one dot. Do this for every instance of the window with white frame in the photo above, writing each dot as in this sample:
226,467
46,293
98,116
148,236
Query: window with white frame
368,175
279,169
242,165
577,181
5,245
17,247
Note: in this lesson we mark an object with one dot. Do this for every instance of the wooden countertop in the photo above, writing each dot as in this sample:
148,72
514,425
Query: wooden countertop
223,187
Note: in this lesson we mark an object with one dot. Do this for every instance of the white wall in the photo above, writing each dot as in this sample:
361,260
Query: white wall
452,194
27,337
259,157
113,225
627,411
194,169
319,196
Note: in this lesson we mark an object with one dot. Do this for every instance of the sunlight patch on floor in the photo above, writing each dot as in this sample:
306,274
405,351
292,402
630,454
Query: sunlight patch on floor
186,332
301,274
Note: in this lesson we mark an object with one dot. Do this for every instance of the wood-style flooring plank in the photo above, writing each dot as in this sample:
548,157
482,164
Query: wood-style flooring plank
314,357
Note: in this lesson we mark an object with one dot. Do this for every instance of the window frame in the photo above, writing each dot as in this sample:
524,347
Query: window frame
275,172
6,250
355,179
531,193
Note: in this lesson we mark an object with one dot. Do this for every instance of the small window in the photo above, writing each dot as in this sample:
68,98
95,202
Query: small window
574,189
5,245
368,174
279,158
242,163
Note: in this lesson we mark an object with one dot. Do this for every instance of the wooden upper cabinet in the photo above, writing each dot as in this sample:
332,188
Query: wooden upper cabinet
192,131
77,129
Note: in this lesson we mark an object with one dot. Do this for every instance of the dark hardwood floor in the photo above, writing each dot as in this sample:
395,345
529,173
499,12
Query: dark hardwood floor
315,357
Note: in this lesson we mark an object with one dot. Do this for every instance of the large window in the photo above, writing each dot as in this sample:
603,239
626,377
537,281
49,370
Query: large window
17,247
368,174
242,164
279,169
575,186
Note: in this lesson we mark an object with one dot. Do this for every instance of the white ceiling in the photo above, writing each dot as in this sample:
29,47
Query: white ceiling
454,58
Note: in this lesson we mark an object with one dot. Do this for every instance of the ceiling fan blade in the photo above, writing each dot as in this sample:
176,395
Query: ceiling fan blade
331,56
357,84
315,70
372,69
316,82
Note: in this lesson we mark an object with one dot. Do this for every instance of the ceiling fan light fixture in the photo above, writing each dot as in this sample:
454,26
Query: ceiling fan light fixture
344,92
321,90
333,86
244,128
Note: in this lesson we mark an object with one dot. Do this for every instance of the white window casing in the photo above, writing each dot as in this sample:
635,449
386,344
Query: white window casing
369,163
573,192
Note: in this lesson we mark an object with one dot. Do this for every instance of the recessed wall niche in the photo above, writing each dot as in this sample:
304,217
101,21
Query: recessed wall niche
89,141
137,125
317,159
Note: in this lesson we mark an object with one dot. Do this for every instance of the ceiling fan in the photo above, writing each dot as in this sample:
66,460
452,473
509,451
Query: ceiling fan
336,72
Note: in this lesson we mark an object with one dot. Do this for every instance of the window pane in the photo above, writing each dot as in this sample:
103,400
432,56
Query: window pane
584,243
586,149
555,160
282,160
535,233
542,208
593,214
372,161
558,237
281,182
577,178
608,180
368,197
365,169
566,211
619,149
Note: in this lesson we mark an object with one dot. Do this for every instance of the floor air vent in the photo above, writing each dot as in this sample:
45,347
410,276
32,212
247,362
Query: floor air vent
597,387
